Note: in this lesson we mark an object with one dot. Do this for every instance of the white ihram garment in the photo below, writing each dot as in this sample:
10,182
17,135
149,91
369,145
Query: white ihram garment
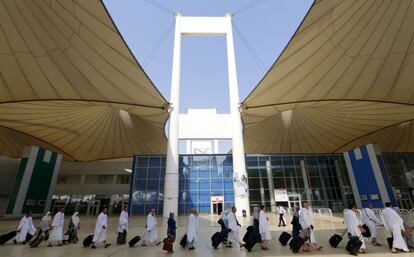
394,224
57,224
264,226
100,228
351,223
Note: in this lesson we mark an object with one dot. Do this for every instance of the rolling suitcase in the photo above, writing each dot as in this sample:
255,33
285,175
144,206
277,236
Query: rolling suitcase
6,237
250,243
37,241
284,238
216,240
134,241
335,240
121,239
295,244
353,245
250,239
87,241
183,241
168,246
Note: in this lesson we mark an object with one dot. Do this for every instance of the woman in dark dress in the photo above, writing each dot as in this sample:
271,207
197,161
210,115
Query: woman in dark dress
171,234
295,223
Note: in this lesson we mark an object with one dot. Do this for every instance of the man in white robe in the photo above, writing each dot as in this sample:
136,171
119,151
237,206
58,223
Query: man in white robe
306,223
192,229
101,229
282,212
123,226
233,224
264,228
56,235
394,224
151,235
354,226
24,229
370,219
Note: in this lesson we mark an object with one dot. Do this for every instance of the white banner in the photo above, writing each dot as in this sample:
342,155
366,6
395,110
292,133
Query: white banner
281,195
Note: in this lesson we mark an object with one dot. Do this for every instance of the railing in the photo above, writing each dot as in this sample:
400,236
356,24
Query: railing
407,216
325,213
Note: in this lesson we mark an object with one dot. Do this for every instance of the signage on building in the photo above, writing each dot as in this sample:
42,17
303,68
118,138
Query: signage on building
281,195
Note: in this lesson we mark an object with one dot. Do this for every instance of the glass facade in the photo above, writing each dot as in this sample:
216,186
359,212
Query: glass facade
201,177
400,168
322,178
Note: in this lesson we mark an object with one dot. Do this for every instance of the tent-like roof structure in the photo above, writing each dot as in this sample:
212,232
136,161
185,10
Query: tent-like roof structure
68,82
345,79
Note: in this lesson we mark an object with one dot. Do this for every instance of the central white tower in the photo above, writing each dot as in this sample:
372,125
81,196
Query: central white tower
205,26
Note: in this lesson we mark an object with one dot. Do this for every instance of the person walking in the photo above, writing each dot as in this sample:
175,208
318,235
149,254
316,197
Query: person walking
354,226
264,228
394,224
307,232
295,223
171,234
192,229
151,235
370,220
101,228
56,235
282,212
26,230
233,224
122,227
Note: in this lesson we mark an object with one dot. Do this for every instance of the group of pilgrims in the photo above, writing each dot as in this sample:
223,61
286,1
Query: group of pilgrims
52,230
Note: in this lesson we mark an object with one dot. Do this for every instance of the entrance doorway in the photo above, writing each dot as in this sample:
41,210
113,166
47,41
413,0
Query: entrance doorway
217,204
294,200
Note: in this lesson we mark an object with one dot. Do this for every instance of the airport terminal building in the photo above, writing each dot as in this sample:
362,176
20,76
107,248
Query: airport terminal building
82,125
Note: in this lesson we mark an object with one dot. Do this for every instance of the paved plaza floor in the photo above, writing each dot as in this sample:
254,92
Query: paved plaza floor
208,225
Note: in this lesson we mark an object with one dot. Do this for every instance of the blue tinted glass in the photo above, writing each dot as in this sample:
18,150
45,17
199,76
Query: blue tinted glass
228,196
141,172
204,184
142,162
163,162
216,171
138,209
228,161
204,208
204,196
161,188
182,184
217,184
252,161
181,196
154,172
192,184
155,161
181,208
217,192
192,172
204,172
189,206
140,184
162,175
153,184
228,184
191,197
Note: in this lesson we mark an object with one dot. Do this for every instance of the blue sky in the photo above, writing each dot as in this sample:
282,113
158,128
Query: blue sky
267,27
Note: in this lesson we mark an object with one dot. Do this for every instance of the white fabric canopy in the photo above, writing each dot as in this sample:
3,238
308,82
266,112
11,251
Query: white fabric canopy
68,82
345,79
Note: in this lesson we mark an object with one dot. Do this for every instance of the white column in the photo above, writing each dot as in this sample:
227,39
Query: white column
239,162
171,173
